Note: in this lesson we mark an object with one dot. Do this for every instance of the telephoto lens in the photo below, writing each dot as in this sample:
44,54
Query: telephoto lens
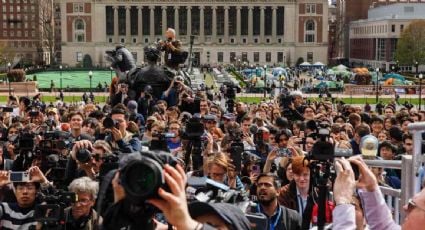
83,155
108,123
141,174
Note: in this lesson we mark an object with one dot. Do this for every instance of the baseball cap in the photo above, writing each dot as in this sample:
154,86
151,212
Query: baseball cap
229,116
229,213
210,117
369,145
132,105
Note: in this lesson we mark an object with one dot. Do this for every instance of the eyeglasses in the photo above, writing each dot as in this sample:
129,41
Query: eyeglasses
210,122
82,201
411,205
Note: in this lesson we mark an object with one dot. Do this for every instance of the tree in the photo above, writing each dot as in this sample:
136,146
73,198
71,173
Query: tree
47,33
411,45
299,61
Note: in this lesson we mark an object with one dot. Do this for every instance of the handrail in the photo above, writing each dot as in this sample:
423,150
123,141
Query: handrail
393,164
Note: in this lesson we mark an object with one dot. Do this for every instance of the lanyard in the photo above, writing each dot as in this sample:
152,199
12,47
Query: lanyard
272,225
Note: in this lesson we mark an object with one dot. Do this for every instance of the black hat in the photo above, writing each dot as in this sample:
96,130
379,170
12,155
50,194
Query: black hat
229,213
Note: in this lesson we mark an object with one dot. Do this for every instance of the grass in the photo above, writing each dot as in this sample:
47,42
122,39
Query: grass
361,101
68,99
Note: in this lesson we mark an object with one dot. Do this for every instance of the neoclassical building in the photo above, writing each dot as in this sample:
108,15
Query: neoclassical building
224,31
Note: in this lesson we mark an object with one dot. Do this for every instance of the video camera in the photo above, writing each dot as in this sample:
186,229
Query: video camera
194,132
51,214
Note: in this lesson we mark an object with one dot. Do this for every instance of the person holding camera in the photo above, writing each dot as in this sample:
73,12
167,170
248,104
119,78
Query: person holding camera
121,139
173,52
121,95
81,214
88,158
176,88
20,214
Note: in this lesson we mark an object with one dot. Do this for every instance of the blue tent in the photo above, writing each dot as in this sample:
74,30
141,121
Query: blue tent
394,75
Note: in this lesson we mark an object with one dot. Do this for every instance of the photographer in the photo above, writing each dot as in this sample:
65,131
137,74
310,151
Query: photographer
81,214
19,215
88,157
120,139
173,52
121,95
176,88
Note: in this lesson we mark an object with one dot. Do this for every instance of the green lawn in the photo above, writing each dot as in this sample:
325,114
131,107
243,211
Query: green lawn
370,100
73,79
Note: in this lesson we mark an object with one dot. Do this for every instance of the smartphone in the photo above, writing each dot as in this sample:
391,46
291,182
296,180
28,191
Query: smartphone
7,109
255,169
284,152
19,176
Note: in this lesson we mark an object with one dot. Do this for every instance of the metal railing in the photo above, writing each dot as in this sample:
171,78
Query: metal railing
410,180
396,198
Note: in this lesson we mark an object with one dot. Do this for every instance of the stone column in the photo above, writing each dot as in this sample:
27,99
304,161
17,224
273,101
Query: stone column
262,24
201,24
164,20
214,24
140,24
238,24
127,25
176,20
116,38
152,24
250,24
274,39
226,24
189,21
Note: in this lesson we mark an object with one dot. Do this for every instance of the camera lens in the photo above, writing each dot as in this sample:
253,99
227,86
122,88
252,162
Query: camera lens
83,155
141,179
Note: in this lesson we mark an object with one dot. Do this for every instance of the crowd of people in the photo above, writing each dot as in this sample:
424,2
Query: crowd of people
46,143
179,159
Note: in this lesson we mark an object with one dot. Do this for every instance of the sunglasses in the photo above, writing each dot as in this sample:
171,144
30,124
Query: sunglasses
412,205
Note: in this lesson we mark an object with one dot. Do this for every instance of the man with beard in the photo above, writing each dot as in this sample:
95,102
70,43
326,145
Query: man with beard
279,217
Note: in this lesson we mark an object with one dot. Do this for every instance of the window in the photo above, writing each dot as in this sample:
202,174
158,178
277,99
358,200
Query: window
268,56
4,9
11,9
220,57
256,57
401,28
279,56
393,28
310,31
78,7
310,8
79,30
244,56
19,33
79,56
310,57
232,57
33,34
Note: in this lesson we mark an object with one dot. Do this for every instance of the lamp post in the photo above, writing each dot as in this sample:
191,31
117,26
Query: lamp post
111,72
8,77
90,77
265,81
377,85
60,69
416,66
420,91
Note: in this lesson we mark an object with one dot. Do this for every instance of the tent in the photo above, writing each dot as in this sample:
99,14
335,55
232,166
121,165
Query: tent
395,76
318,64
279,71
340,67
328,84
305,64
